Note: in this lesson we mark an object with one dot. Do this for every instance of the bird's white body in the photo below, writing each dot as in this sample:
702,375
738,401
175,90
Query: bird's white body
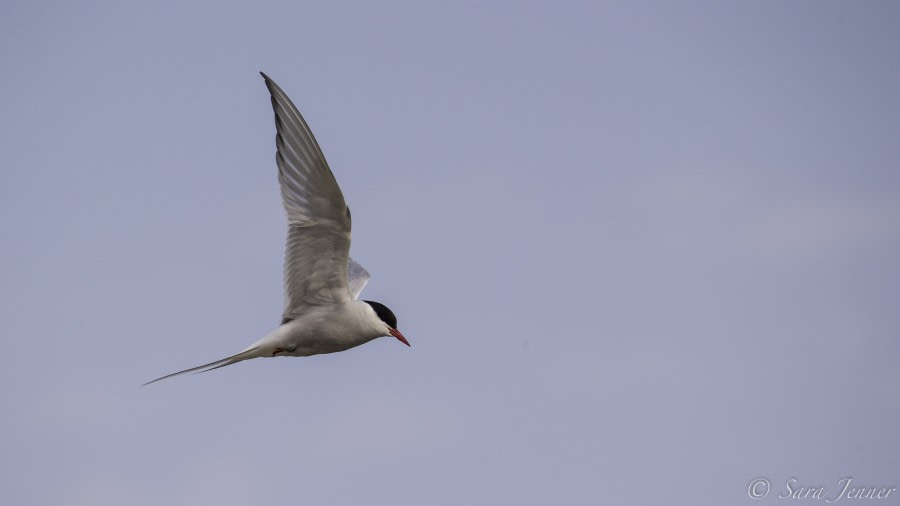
328,329
321,282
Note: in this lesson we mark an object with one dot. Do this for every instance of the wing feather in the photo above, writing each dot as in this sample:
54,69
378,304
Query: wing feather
358,276
318,240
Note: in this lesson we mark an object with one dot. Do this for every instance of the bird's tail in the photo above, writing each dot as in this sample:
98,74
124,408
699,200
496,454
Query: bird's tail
240,357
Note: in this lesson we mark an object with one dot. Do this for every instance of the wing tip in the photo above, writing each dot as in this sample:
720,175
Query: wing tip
270,84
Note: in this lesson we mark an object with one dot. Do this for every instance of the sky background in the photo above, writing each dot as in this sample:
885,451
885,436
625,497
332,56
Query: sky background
644,252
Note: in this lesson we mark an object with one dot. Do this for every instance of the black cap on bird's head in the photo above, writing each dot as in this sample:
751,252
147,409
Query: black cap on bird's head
387,316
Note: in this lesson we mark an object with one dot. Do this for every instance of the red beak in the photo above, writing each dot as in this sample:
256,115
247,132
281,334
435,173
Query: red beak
396,333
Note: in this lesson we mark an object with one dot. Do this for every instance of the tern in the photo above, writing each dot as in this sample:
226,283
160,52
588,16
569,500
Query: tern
322,313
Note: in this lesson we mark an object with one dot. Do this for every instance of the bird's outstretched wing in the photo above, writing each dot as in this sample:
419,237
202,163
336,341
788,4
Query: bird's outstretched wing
318,239
357,277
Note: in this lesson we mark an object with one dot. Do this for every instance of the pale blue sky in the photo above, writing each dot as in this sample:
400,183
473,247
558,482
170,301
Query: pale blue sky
644,253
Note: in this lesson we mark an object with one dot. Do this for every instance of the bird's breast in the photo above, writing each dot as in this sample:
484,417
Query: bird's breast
324,332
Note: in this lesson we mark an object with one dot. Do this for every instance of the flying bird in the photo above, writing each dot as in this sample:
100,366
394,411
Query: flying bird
321,282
